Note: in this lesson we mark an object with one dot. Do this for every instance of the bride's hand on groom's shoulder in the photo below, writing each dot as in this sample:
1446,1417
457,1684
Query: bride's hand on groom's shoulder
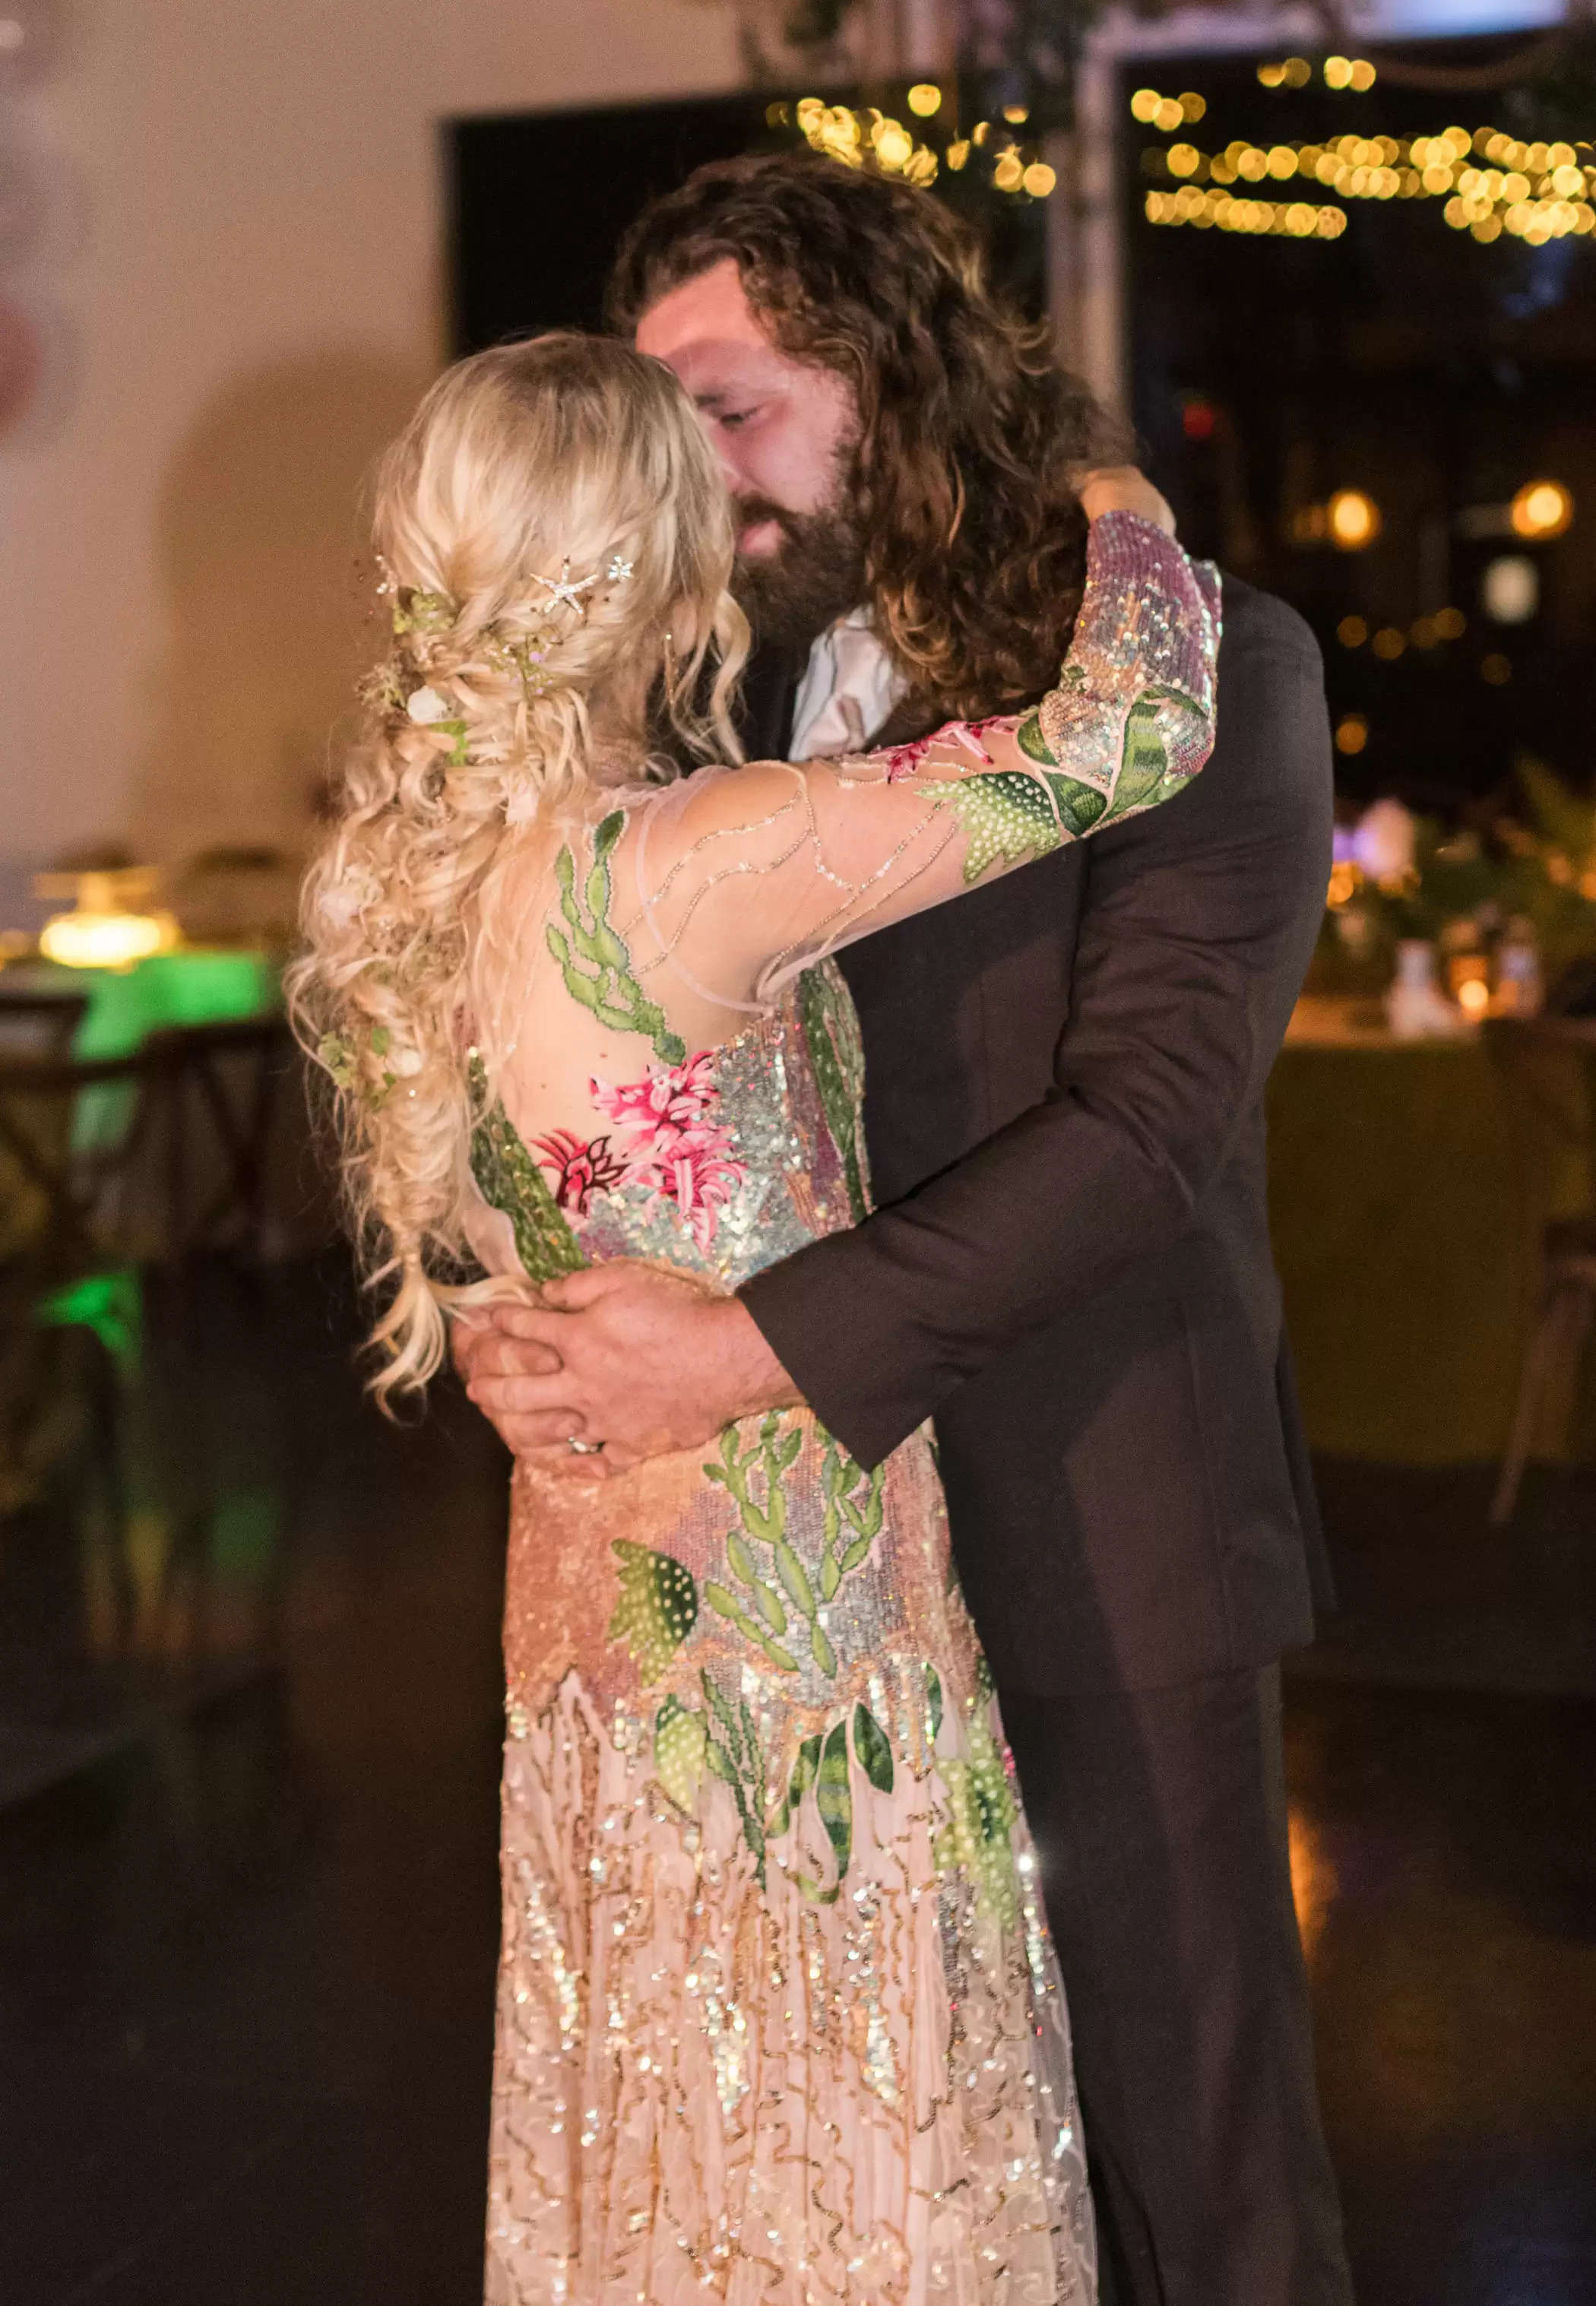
628,1355
1123,488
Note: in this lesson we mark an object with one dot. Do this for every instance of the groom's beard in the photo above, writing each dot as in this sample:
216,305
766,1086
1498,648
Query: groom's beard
815,575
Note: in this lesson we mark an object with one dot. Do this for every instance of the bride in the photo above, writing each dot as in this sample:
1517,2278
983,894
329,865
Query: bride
778,2019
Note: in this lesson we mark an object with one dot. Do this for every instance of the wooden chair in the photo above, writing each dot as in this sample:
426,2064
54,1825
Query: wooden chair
1550,1067
221,1088
69,1298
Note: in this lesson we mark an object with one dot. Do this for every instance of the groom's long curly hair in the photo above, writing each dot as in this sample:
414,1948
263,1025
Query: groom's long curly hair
970,426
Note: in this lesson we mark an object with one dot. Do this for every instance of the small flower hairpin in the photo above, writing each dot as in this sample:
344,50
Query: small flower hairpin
566,591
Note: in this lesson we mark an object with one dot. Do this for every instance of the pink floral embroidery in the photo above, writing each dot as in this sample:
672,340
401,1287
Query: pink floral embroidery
903,760
672,1143
580,1170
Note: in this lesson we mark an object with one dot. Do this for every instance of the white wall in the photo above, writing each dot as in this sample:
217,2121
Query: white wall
256,299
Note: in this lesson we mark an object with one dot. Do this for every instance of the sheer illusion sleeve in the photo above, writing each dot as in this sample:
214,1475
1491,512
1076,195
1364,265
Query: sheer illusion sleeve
747,876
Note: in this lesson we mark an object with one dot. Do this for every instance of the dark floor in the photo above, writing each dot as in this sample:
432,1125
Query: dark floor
247,1820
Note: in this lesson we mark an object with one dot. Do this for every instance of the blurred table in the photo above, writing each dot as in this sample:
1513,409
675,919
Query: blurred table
126,1005
197,988
1407,1200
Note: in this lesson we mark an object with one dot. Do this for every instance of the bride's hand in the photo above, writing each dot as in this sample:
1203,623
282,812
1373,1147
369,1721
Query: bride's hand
1122,488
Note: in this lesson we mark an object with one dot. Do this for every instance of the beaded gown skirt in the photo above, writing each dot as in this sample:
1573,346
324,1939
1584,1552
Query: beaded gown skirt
779,2020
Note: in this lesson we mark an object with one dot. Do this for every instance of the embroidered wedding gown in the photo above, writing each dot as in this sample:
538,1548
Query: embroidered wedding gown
778,2019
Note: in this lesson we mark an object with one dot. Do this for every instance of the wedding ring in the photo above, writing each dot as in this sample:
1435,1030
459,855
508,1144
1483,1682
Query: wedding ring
584,1449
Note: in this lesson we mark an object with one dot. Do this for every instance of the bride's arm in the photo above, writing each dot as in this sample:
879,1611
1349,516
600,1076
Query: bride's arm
752,873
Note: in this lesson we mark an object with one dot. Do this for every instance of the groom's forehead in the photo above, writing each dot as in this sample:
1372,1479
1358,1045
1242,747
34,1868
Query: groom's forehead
708,332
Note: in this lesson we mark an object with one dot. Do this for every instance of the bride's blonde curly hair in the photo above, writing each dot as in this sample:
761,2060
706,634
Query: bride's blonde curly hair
556,541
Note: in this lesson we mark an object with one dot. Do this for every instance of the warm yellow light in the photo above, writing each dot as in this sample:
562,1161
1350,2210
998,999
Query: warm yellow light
958,154
1299,71
1169,115
1345,880
1039,180
1473,997
1271,75
1351,632
1363,75
1450,624
1313,1880
1017,115
1541,508
1496,669
1183,160
1389,643
1193,106
892,142
1010,172
1144,105
1338,72
1283,161
105,940
1351,733
925,97
1354,519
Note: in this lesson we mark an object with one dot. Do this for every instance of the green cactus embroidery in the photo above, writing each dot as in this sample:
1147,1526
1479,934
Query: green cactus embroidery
732,1751
977,1838
779,1590
658,1607
873,1749
822,1763
1144,771
806,1768
594,960
510,1181
1006,816
681,1742
831,1033
833,1799
852,1500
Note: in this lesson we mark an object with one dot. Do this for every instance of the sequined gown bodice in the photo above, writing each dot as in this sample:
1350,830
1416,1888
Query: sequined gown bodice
779,2020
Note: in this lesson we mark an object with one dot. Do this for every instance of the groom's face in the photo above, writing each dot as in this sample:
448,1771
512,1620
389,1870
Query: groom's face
785,431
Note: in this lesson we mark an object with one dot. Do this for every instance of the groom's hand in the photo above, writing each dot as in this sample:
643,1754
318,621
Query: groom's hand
628,1355
1122,488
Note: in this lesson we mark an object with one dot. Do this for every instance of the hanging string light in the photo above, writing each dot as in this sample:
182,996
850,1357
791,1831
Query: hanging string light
864,137
1534,192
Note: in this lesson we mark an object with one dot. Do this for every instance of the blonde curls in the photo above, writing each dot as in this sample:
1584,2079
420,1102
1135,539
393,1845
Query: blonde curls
555,542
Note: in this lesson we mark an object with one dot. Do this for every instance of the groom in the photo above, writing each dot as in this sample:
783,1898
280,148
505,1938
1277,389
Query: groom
1068,1268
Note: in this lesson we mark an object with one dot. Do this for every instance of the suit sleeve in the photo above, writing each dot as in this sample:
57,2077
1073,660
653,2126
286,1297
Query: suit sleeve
1198,924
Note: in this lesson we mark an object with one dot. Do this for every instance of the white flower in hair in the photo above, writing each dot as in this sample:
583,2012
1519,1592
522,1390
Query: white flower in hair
521,802
342,902
405,1063
425,706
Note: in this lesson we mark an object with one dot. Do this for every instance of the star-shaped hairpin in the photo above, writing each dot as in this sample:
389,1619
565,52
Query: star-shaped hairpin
561,590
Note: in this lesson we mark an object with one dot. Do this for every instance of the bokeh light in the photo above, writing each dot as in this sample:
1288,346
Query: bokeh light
1354,519
1541,508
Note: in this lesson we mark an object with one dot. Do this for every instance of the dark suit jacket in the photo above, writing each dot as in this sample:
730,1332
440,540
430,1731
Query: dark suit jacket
1068,1265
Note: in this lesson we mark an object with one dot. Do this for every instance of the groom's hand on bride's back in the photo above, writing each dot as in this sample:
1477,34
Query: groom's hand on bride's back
631,1355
